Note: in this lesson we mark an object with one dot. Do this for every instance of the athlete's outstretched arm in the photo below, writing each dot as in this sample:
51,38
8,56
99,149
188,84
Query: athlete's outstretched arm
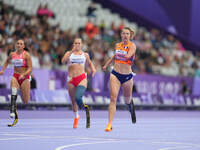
108,62
66,56
29,64
131,51
5,65
90,64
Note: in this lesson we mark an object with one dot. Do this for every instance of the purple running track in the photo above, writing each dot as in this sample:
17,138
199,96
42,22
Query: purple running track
52,130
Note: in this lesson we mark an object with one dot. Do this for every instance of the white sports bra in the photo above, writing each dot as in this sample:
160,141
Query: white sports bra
77,59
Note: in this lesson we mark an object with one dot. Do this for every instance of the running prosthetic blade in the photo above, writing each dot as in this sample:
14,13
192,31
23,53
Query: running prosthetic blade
15,121
13,107
87,116
133,116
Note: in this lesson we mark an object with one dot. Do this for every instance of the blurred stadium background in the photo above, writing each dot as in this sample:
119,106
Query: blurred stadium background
167,38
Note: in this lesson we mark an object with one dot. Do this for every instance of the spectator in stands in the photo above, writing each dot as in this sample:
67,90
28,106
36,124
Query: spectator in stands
102,27
89,28
151,44
35,59
179,45
196,66
134,89
46,63
122,25
3,55
197,73
91,10
45,11
33,82
184,89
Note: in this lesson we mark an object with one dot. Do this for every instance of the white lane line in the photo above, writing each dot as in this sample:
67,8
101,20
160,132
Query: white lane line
17,138
91,143
176,147
74,137
79,144
177,143
139,141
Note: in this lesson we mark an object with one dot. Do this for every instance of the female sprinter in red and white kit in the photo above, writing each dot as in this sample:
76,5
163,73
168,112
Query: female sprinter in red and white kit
22,63
77,78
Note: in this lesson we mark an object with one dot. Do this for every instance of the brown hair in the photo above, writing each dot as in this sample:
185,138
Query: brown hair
78,39
25,47
131,31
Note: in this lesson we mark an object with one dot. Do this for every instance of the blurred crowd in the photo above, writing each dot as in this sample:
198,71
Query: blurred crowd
156,53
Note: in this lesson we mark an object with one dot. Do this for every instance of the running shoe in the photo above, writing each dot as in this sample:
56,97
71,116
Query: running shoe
109,127
75,125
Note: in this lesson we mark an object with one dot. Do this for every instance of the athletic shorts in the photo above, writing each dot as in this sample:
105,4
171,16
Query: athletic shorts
76,80
122,77
20,81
